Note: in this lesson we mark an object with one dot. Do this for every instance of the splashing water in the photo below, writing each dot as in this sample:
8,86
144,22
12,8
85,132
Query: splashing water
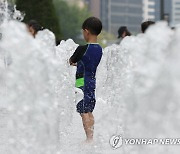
138,86
4,14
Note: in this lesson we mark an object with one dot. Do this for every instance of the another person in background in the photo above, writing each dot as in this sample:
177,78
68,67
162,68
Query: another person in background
122,33
145,25
34,27
173,28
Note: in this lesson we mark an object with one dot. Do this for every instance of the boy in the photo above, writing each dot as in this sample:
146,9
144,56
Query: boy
33,27
145,25
87,58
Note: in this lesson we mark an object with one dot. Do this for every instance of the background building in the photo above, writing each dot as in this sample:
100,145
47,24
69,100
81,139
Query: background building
175,12
116,13
167,10
149,10
94,7
171,11
130,13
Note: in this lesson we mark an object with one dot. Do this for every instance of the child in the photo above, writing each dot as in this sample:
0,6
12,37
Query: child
123,32
33,27
87,59
145,25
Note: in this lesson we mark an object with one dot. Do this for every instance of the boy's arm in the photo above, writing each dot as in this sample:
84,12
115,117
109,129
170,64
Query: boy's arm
78,54
73,59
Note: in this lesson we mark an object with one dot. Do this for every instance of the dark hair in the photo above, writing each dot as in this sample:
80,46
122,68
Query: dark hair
35,25
93,24
145,25
58,41
122,30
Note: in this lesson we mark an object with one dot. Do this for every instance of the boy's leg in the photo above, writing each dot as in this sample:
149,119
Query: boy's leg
92,120
88,123
85,107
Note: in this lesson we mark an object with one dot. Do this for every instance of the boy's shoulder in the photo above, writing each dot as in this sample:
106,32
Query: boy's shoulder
95,46
82,47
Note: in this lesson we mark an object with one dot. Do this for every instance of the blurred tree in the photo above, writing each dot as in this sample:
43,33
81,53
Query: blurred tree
71,18
106,39
43,11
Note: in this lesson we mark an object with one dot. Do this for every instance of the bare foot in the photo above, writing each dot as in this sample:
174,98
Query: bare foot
89,141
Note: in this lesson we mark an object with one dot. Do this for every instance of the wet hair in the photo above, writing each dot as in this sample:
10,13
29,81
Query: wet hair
145,25
35,25
122,30
93,24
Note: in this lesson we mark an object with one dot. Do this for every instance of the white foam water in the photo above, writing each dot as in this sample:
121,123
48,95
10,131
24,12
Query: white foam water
138,86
